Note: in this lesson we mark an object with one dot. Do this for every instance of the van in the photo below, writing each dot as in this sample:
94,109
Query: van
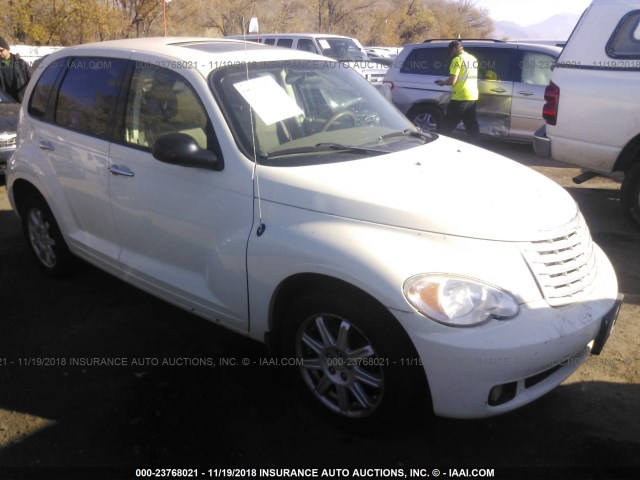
592,103
511,82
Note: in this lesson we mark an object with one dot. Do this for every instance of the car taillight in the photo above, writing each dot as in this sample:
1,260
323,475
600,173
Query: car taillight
390,85
552,98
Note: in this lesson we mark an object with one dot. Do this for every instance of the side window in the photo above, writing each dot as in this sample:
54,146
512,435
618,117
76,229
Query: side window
88,98
285,42
269,41
625,41
307,45
42,91
495,64
161,102
427,61
536,68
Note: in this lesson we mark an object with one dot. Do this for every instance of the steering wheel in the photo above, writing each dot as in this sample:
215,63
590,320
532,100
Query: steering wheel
340,116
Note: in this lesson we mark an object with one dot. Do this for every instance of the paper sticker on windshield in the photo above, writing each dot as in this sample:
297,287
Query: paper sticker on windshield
268,99
324,44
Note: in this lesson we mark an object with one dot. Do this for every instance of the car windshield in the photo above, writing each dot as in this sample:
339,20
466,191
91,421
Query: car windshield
341,48
309,111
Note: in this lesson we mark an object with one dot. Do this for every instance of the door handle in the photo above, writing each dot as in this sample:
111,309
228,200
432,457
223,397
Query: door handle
46,145
498,90
525,93
118,170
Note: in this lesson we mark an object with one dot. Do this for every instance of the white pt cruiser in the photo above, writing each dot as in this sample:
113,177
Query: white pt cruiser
277,193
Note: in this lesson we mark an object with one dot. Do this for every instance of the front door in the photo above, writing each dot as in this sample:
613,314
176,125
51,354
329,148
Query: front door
495,86
183,230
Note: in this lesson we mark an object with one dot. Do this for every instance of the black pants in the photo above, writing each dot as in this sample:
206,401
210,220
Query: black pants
461,110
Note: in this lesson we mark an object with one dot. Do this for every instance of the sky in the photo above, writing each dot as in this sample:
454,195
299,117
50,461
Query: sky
530,12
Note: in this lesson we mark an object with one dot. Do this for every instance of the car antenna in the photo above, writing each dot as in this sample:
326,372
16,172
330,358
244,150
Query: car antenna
253,28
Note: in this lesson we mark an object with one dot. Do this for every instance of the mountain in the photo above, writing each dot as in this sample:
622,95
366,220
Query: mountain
558,27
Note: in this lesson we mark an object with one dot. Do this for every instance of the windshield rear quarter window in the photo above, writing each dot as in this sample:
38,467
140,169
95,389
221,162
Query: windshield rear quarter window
625,41
88,97
44,87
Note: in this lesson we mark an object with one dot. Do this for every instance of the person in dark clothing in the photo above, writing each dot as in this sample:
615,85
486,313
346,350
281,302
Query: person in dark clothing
14,72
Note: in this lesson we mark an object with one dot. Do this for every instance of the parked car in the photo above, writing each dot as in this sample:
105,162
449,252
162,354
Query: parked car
278,195
9,110
592,106
383,55
511,81
344,49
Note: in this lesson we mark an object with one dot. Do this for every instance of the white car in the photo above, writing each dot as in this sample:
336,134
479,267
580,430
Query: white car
282,197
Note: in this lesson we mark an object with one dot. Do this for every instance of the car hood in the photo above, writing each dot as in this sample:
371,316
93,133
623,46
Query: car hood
9,117
447,187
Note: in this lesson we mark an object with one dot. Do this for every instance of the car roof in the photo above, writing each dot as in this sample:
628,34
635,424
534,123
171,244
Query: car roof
475,43
290,35
201,53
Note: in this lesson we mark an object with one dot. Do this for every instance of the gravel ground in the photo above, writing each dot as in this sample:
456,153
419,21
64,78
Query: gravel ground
91,421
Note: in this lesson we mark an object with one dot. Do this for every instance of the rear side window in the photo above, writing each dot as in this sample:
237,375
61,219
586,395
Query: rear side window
625,41
88,98
285,42
42,91
270,41
536,68
427,61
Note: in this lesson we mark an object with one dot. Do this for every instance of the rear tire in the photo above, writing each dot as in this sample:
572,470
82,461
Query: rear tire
45,242
630,194
356,369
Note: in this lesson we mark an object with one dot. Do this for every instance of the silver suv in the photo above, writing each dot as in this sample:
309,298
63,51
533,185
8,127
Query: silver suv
511,78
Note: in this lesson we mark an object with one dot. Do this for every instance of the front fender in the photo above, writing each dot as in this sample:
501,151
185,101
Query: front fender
374,258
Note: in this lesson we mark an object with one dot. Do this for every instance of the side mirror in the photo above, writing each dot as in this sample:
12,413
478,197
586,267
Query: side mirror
182,149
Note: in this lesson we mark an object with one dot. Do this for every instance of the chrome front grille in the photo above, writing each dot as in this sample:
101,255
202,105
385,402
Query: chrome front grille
563,264
7,140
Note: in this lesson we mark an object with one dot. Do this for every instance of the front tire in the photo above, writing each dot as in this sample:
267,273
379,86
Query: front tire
630,194
427,118
45,242
352,352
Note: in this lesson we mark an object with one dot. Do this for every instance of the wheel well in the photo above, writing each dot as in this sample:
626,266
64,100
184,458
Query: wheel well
629,155
23,189
419,106
296,286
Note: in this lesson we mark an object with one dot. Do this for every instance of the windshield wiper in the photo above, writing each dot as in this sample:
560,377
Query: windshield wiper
322,148
409,132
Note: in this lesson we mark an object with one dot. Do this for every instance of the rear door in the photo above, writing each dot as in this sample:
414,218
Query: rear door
75,131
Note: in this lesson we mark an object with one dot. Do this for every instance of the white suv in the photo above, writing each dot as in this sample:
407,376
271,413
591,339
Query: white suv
593,107
282,197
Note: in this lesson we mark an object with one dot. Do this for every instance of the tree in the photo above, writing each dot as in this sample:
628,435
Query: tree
381,22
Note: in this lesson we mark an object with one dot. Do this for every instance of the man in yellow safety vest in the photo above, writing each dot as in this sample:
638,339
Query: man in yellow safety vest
463,78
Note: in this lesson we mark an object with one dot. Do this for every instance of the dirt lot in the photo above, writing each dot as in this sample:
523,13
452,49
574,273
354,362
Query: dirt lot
89,421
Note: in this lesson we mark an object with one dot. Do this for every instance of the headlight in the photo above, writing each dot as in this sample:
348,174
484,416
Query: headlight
458,301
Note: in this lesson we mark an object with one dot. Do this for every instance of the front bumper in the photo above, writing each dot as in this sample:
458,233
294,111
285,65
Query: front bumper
541,143
502,365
